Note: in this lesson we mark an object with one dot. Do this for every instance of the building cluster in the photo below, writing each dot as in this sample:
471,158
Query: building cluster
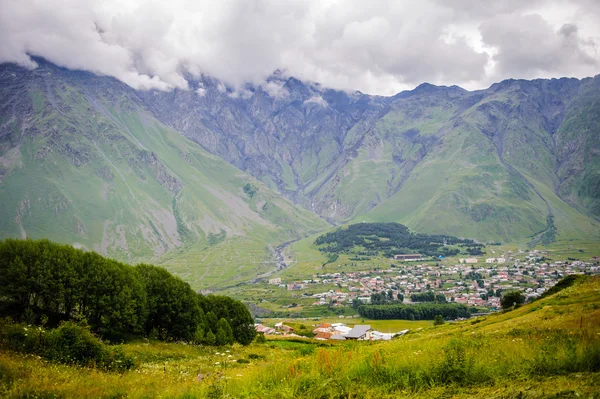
335,331
471,281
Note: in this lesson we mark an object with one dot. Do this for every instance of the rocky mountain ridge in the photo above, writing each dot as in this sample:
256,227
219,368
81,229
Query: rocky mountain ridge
517,161
343,154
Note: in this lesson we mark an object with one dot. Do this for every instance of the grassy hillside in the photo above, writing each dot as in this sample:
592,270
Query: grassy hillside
490,175
88,166
547,349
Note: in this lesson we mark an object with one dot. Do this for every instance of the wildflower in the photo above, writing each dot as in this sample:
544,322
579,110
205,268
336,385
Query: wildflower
217,363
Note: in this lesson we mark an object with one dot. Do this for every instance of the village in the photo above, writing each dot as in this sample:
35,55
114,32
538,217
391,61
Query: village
470,281
476,282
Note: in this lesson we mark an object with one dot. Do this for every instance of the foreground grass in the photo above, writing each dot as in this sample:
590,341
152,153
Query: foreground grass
548,349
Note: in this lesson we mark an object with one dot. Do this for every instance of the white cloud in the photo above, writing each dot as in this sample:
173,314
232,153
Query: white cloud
377,47
275,89
318,100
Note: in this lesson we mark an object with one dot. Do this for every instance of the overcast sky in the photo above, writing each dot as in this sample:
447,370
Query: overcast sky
377,47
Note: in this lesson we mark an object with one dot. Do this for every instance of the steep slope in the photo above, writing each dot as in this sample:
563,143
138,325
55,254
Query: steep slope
293,137
82,162
492,171
516,161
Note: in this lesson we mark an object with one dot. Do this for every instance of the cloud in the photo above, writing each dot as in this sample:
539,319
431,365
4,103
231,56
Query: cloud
541,50
377,47
318,100
275,89
201,90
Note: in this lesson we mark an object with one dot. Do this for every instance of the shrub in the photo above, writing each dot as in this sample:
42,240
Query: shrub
512,298
70,343
260,338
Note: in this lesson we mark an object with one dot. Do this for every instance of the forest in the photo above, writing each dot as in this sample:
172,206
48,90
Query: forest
46,284
422,311
389,239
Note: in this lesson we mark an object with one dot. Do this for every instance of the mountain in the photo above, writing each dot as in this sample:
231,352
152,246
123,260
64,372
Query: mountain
210,180
83,162
516,161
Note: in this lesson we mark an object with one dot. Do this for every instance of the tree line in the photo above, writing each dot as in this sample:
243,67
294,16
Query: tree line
45,283
422,311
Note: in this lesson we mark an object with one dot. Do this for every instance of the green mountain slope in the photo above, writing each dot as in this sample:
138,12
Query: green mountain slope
490,173
86,164
517,161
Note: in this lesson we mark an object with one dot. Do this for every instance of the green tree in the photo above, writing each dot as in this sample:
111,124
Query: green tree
210,338
438,321
172,305
224,334
512,298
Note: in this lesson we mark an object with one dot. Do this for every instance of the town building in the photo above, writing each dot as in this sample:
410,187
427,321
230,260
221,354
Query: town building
409,257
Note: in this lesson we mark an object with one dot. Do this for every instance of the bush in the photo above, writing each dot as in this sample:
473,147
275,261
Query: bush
512,298
70,343
260,338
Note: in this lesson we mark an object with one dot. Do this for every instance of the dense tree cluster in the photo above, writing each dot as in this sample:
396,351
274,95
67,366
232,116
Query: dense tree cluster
423,311
43,282
428,296
388,239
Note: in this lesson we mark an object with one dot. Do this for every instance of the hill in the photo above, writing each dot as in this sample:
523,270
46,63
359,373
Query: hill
547,349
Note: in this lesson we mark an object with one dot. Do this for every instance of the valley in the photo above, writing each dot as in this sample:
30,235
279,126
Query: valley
210,185
311,199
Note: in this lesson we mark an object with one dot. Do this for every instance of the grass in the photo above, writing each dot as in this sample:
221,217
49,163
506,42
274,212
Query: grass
547,349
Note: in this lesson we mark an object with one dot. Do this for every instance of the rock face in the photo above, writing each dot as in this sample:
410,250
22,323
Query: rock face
519,159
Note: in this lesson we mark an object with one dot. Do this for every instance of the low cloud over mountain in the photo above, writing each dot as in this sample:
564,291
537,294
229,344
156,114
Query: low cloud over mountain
378,47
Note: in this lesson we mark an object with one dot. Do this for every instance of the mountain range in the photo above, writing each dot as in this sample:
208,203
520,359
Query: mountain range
210,180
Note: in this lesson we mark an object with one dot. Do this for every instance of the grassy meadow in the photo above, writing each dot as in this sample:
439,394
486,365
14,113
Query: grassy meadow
546,349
